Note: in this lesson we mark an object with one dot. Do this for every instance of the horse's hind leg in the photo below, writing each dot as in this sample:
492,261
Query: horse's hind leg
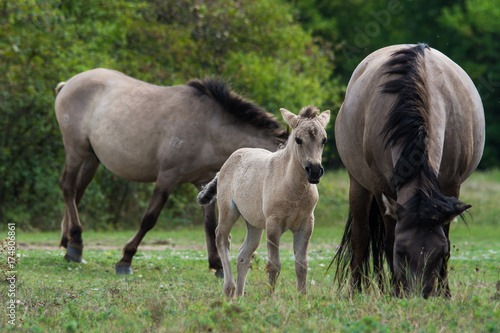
162,190
85,175
245,254
77,161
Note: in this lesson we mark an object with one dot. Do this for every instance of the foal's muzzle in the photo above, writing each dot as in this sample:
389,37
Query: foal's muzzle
314,172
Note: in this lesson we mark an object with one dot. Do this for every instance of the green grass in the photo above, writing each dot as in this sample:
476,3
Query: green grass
172,290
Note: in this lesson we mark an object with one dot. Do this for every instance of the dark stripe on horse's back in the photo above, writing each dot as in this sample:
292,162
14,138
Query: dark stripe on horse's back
236,105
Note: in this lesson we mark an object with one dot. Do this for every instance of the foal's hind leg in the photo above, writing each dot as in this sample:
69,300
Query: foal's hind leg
359,204
251,243
228,215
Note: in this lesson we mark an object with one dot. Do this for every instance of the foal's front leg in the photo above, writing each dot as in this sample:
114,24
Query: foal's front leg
300,244
273,243
245,255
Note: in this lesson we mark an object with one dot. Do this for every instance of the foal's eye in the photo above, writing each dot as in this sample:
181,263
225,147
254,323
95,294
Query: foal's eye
299,141
324,141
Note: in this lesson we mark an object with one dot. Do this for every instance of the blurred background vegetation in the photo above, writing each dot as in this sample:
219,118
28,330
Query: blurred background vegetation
276,53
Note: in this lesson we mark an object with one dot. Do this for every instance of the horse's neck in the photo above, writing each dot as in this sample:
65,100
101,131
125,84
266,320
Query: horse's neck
295,175
247,137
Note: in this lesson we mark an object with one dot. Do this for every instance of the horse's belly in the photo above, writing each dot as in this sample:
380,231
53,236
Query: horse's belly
133,165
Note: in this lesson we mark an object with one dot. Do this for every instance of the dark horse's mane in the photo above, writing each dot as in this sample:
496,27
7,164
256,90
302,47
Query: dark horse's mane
407,125
236,105
407,122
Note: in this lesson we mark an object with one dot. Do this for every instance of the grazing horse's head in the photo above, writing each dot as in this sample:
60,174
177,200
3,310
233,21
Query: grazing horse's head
421,245
308,138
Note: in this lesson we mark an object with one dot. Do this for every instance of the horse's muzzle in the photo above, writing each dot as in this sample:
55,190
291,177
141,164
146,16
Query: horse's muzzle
314,172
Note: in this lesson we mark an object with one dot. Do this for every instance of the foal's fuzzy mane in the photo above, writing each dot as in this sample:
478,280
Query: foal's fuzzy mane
407,125
236,105
309,112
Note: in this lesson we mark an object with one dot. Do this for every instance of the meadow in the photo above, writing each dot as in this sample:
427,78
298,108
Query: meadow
172,290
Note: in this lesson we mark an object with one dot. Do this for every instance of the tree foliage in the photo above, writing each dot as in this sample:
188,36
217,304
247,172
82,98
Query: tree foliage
467,31
257,45
277,53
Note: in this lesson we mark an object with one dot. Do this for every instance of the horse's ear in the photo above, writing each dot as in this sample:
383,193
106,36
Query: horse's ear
454,209
392,208
289,117
324,118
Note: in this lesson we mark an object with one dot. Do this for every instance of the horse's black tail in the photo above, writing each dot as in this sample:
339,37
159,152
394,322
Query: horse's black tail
344,256
208,194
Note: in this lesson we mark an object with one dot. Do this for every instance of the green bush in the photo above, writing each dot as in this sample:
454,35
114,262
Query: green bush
267,56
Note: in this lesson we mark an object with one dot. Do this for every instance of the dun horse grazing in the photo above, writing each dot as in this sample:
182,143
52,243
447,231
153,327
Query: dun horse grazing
410,132
147,133
271,191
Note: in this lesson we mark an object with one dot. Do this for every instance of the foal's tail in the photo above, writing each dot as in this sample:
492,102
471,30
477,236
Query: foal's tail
208,194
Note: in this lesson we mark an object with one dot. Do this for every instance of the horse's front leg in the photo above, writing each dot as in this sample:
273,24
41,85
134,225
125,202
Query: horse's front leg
359,205
274,232
210,224
160,195
443,287
300,244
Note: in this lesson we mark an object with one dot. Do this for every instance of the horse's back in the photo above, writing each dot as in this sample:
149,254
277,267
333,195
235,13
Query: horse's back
455,114
131,124
363,107
454,97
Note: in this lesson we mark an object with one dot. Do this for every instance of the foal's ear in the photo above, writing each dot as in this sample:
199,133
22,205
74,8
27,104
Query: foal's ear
289,117
392,208
324,118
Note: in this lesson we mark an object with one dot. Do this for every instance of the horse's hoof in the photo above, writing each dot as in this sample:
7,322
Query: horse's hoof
123,270
73,254
219,273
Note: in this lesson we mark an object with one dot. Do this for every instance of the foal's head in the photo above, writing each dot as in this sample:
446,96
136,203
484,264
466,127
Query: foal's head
308,138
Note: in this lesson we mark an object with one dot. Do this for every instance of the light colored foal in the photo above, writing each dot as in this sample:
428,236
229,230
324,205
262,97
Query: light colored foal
273,192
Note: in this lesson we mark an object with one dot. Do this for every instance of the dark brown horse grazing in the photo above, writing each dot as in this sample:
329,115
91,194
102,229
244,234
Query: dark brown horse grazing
410,132
147,133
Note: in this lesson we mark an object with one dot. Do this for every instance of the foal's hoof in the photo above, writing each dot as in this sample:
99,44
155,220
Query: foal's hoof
123,270
73,254
219,273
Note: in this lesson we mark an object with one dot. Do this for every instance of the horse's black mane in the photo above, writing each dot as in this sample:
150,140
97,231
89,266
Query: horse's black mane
407,125
236,105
